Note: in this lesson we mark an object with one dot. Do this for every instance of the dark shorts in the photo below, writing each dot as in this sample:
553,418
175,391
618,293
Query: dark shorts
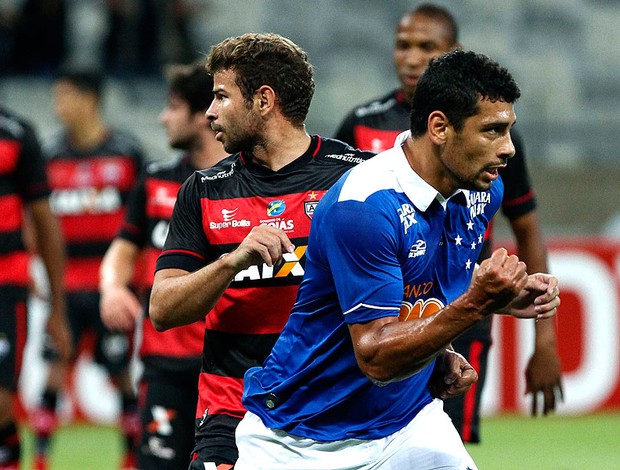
167,405
215,441
465,409
112,349
13,333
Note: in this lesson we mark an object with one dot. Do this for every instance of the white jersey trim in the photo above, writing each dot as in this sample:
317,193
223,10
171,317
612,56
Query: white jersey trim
373,307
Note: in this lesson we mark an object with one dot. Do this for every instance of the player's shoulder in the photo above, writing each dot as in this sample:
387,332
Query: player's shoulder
374,175
376,106
55,144
158,167
339,153
13,125
124,142
224,170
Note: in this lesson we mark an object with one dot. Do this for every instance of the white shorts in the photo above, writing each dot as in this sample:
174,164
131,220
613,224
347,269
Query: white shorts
428,442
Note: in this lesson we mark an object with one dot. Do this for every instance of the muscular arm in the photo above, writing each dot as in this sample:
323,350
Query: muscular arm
179,298
50,246
387,349
119,306
543,373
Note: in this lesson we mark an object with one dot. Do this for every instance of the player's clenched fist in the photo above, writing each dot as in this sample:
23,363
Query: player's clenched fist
497,281
264,244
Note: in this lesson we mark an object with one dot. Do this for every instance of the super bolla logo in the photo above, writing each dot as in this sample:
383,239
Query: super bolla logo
291,267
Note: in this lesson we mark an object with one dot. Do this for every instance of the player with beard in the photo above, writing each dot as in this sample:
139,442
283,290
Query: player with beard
422,34
234,255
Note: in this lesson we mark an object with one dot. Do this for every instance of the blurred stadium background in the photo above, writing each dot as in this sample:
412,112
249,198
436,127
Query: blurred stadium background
565,56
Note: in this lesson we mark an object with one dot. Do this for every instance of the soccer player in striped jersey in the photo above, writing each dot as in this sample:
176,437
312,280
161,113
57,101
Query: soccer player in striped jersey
24,191
171,359
92,167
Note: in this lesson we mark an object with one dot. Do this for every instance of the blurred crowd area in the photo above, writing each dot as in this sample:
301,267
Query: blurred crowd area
563,54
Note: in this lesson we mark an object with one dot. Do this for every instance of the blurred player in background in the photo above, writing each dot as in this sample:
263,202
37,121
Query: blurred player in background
232,221
92,168
172,359
24,190
422,34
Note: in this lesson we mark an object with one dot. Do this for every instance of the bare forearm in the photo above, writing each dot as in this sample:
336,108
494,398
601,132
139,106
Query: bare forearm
179,298
117,267
50,247
531,247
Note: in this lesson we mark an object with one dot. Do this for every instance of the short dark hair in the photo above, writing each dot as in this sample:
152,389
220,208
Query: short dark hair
268,59
191,83
87,80
440,14
454,83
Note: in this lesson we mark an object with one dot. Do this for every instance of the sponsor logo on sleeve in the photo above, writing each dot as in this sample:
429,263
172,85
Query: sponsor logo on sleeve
406,213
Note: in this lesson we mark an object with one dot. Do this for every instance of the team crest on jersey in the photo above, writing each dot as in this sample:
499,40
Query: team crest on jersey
420,309
276,208
311,203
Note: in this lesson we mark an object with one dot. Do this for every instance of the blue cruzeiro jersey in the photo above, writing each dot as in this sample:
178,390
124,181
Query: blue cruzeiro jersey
383,243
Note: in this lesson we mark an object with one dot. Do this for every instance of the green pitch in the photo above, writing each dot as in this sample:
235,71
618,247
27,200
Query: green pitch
509,443
550,443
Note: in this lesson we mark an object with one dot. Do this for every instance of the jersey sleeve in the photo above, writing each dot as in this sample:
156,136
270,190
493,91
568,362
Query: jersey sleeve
362,254
519,196
135,223
186,246
31,168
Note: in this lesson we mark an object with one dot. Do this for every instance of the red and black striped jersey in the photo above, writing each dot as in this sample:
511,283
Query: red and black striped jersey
149,210
89,194
215,211
22,180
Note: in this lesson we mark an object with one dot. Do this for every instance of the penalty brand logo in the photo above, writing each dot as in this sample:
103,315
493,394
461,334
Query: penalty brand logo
417,249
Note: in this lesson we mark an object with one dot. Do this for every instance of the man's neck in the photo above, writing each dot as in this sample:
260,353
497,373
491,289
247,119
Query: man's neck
206,152
88,135
423,158
280,148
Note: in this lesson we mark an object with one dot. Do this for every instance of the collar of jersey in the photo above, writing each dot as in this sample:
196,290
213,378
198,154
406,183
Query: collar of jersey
417,189
301,161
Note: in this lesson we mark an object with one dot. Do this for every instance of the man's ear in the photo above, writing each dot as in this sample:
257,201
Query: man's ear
438,125
265,99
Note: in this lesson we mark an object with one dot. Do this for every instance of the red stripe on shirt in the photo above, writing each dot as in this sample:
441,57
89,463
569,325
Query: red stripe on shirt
9,149
469,406
14,268
11,209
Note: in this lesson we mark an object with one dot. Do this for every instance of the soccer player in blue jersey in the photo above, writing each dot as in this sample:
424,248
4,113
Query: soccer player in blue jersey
422,34
390,281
